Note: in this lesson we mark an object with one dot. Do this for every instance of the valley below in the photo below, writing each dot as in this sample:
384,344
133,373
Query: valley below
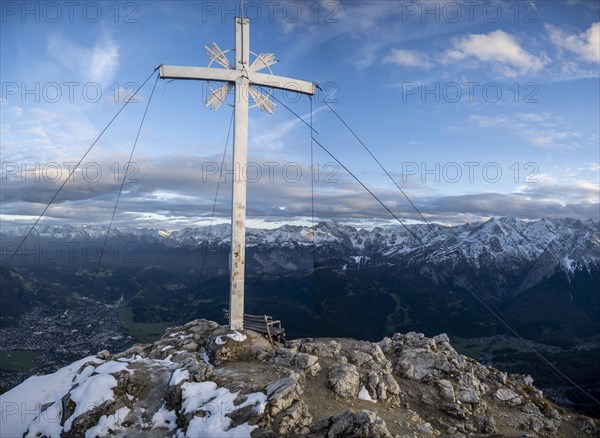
542,278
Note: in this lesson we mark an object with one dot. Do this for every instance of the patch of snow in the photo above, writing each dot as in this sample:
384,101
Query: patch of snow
205,358
208,427
21,406
91,393
179,375
164,418
157,362
258,399
83,374
46,424
112,367
363,394
237,336
569,264
166,348
219,340
360,259
217,403
108,424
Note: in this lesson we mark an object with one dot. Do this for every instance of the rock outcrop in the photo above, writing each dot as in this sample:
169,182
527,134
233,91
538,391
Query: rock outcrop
202,380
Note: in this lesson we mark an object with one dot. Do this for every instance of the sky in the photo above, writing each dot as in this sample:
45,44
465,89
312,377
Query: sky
476,109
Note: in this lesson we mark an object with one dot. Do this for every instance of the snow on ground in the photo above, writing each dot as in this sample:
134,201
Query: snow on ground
237,336
164,418
95,390
21,406
136,358
110,423
179,375
569,264
205,357
363,394
111,367
216,403
35,406
90,393
360,259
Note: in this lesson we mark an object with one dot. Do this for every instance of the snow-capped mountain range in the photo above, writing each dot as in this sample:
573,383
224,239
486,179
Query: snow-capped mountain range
506,248
327,280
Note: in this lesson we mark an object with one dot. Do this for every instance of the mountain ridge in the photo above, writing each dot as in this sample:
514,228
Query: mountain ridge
200,379
511,249
543,277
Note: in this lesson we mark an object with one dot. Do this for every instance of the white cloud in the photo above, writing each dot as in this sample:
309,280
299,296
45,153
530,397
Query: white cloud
552,138
354,21
498,48
275,136
488,122
540,130
98,64
586,45
44,134
16,111
408,58
105,60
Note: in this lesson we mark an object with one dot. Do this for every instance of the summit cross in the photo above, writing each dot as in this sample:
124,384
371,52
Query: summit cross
245,78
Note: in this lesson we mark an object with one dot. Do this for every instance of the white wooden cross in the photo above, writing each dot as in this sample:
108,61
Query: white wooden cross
244,77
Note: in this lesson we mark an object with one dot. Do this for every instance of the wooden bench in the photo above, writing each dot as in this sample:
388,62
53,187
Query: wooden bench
263,324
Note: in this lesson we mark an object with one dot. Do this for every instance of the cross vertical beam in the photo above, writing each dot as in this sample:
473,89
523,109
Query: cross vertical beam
240,159
246,78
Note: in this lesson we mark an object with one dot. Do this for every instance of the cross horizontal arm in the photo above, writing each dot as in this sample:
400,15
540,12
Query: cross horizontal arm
227,75
282,83
198,73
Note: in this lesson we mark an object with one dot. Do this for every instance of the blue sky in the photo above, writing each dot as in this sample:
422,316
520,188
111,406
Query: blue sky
477,109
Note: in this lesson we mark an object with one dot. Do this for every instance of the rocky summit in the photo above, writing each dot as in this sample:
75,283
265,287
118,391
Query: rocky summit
201,380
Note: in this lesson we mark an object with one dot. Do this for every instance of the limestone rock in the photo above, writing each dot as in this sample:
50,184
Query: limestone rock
485,424
531,409
421,386
104,355
344,380
508,396
295,419
588,426
426,430
290,357
535,424
282,393
381,385
455,410
317,348
446,390
348,424
422,364
467,395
